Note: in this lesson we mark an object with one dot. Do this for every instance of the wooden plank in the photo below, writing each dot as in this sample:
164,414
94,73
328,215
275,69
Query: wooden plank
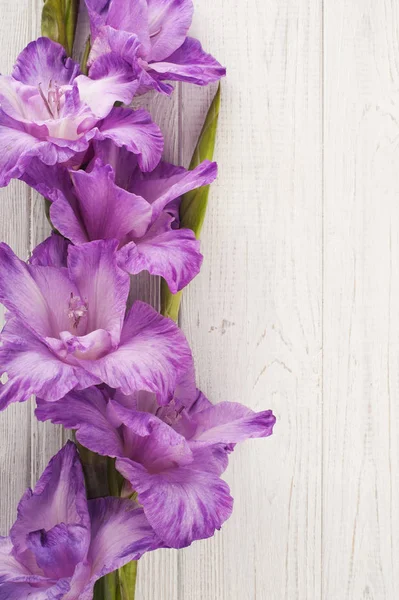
253,316
15,32
361,293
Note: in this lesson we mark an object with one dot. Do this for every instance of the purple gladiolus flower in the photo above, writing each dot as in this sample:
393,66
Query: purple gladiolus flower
172,455
61,544
164,51
123,203
48,110
66,327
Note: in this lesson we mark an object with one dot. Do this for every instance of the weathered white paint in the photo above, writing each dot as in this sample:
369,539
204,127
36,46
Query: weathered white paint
296,305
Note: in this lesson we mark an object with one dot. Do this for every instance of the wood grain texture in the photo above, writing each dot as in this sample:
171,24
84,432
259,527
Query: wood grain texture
296,305
361,292
253,316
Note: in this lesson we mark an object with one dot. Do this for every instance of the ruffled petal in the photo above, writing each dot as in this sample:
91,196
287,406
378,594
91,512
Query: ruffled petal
120,534
132,18
32,368
37,295
230,423
167,182
153,355
189,63
59,497
18,147
135,130
111,80
51,181
10,568
120,43
151,442
102,285
174,254
87,413
53,252
182,504
60,550
22,591
106,210
44,61
168,22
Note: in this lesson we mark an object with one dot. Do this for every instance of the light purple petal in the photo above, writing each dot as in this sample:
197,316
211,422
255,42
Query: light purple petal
124,44
35,294
131,17
168,22
18,147
191,64
182,504
51,181
102,285
168,182
174,254
45,61
153,355
52,252
151,442
66,219
111,80
22,591
230,423
120,534
135,130
59,497
86,412
60,550
106,210
10,568
33,369
123,162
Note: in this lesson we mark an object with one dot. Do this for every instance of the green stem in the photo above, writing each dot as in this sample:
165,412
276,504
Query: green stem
85,57
102,479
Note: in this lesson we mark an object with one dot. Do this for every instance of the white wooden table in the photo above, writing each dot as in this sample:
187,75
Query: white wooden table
297,306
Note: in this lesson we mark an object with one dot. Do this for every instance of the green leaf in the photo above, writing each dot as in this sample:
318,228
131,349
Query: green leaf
59,18
194,203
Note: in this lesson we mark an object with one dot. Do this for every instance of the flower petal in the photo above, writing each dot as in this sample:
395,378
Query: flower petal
189,63
151,442
101,283
168,22
174,254
153,355
131,17
10,568
18,147
33,369
120,534
107,211
230,423
167,182
52,252
135,130
45,61
182,504
22,591
60,550
38,295
111,80
87,412
59,497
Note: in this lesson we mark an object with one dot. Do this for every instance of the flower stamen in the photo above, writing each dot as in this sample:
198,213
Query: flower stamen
77,309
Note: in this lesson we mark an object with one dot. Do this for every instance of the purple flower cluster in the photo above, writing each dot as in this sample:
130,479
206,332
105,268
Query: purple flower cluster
122,378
